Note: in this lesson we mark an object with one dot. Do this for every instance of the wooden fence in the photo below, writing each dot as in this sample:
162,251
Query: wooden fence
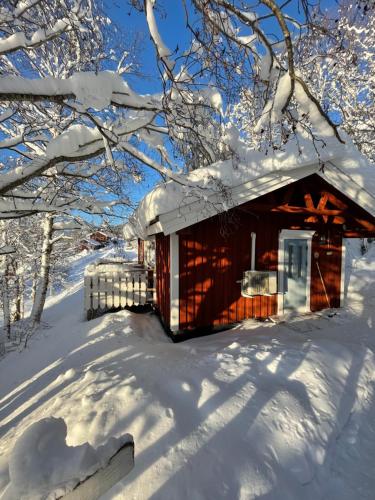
115,285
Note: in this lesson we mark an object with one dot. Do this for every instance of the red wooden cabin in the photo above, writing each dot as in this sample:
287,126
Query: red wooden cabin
289,225
100,237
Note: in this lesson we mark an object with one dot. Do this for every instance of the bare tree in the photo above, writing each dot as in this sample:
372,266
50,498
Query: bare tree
43,279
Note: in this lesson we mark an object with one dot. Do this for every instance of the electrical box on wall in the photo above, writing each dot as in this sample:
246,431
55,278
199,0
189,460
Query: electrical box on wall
258,283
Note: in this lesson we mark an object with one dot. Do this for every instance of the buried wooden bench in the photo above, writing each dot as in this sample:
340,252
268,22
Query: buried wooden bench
102,480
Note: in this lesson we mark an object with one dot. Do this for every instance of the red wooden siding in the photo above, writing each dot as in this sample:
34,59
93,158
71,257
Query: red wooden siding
214,253
163,277
99,236
210,266
326,271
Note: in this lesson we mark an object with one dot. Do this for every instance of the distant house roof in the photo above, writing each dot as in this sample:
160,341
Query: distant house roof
205,192
90,242
100,233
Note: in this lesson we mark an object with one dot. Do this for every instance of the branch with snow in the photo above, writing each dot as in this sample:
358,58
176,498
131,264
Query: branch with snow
91,90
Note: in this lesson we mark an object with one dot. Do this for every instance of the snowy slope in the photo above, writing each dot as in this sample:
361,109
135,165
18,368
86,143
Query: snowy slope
263,411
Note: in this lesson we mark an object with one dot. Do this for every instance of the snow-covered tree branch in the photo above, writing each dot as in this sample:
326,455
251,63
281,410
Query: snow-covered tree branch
69,124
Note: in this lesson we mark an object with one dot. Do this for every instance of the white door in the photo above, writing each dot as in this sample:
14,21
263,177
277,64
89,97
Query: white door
295,274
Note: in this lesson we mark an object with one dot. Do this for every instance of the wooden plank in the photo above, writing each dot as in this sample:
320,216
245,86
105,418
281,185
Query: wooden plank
102,481
163,273
369,226
326,276
136,289
102,285
182,283
303,210
358,234
109,290
95,297
129,290
143,290
310,204
322,204
87,289
122,289
116,290
335,201
308,200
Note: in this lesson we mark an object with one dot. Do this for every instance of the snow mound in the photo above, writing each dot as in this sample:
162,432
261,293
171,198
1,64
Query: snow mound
43,466
274,411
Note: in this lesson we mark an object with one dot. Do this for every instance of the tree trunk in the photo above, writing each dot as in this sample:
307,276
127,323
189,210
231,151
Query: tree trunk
22,296
17,292
34,285
42,286
5,330
4,271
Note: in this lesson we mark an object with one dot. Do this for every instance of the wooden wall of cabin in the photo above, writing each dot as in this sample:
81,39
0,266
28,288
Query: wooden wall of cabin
215,252
213,255
212,259
326,260
162,251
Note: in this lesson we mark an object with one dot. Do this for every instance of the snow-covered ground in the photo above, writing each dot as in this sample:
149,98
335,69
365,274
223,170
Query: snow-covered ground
264,411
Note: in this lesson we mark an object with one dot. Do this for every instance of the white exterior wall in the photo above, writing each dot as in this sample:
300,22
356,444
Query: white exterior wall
174,283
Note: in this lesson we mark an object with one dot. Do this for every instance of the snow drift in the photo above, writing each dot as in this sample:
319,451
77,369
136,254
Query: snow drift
263,411
42,466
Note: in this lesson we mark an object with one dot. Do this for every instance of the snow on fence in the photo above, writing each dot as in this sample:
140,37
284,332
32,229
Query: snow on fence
116,284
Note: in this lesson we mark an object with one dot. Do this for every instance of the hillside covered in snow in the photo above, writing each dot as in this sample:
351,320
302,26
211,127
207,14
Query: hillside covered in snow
263,411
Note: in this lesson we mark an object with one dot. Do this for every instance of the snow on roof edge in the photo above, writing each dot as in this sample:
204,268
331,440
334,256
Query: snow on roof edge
167,197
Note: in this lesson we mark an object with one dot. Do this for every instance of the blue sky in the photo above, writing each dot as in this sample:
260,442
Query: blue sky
172,26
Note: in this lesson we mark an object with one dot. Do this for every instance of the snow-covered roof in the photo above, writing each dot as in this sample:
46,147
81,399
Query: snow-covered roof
99,232
90,241
207,191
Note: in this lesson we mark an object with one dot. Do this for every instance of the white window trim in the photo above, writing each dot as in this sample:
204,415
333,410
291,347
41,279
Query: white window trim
343,273
174,274
253,250
296,234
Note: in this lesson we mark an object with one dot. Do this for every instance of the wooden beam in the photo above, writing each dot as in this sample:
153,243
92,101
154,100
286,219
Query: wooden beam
304,210
265,207
309,203
335,201
336,216
338,220
322,205
369,226
358,234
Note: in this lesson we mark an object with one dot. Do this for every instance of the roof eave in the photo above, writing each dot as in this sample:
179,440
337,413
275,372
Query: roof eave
335,176
195,212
